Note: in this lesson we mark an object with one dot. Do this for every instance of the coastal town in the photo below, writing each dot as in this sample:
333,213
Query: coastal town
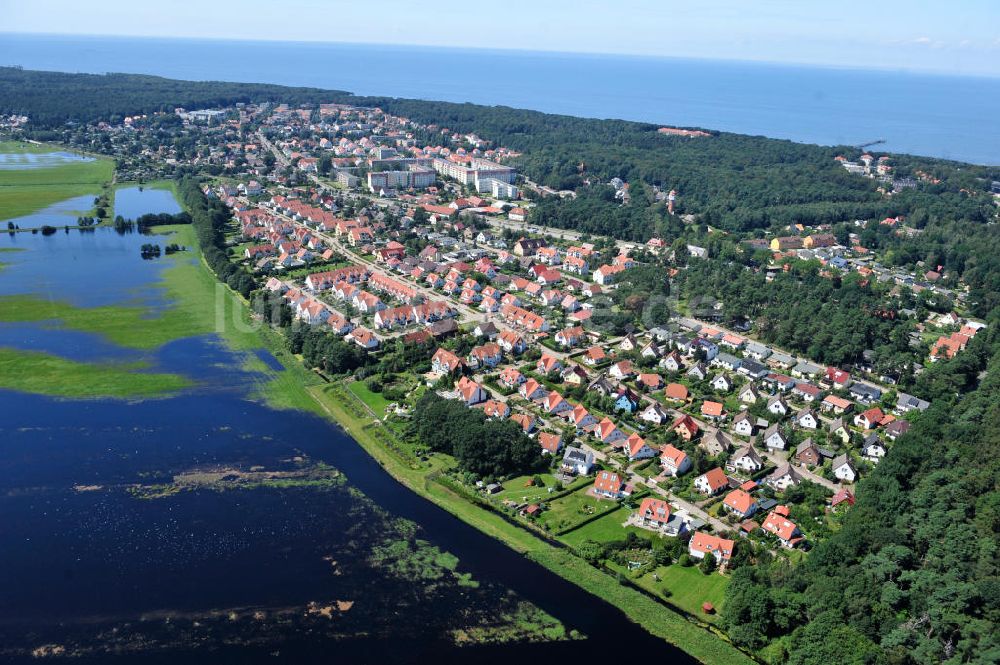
387,232
656,422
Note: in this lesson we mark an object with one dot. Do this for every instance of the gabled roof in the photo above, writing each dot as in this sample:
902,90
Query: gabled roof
716,479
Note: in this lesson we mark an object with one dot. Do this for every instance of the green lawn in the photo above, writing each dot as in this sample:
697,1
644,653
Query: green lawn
688,587
373,401
572,509
34,372
604,529
517,489
24,191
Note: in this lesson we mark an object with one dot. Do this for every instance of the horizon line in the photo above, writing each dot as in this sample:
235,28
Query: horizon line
918,71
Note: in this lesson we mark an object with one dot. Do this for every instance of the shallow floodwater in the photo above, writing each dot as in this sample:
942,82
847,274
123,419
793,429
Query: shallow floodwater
116,548
132,202
59,214
39,160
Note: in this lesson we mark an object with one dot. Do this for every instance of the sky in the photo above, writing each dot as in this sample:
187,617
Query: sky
946,36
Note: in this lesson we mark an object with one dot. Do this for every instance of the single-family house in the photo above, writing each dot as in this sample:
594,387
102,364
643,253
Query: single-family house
808,454
746,459
783,477
782,528
843,469
712,482
446,362
655,413
774,439
636,448
722,383
806,419
676,392
674,460
869,419
777,405
685,427
740,503
743,424
704,544
550,443
575,460
609,485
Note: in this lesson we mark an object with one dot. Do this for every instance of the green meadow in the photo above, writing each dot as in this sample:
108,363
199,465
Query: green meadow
31,371
24,191
199,305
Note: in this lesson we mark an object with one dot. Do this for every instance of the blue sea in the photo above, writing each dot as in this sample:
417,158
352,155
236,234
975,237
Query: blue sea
953,117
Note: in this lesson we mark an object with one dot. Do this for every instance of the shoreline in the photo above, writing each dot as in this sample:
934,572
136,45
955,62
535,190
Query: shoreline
703,643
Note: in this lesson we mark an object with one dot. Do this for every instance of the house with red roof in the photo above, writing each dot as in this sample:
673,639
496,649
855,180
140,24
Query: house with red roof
869,419
712,410
511,378
548,363
838,377
711,482
741,503
674,460
487,355
470,392
526,421
622,370
656,514
555,404
446,362
594,355
636,448
651,381
609,485
608,433
703,544
550,443
570,337
786,531
532,390
676,392
686,427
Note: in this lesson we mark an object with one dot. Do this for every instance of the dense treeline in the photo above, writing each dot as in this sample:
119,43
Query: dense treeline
209,217
830,320
152,219
485,447
51,99
914,574
968,252
731,181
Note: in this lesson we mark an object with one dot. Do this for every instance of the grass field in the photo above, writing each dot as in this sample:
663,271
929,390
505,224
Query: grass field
373,401
689,587
572,509
604,529
34,372
24,191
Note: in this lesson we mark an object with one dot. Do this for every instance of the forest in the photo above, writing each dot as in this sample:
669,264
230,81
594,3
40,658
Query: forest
482,446
731,181
913,575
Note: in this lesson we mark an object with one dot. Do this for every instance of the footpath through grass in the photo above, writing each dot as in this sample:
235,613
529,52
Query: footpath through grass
28,190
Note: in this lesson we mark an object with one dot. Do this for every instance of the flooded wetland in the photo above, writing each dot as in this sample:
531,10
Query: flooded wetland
176,514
